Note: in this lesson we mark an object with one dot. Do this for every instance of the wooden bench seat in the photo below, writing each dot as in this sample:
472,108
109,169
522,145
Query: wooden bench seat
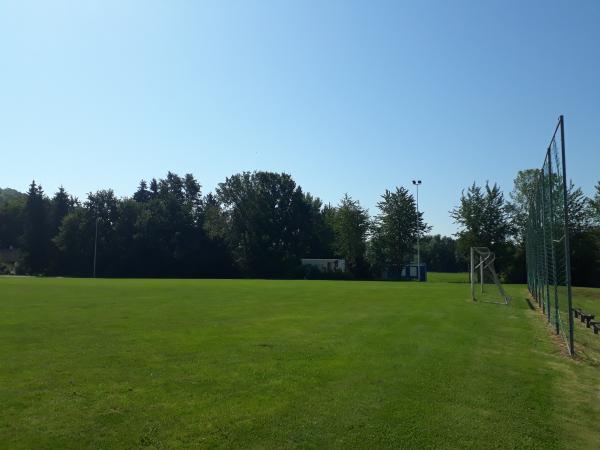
587,318
583,316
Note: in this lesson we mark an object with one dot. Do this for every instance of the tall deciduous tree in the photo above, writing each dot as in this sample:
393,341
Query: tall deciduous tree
439,253
11,220
264,211
595,206
580,213
483,220
525,185
350,226
75,240
584,238
318,223
61,205
395,229
524,189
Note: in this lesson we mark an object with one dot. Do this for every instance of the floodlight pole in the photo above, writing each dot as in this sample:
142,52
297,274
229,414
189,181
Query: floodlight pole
95,243
417,183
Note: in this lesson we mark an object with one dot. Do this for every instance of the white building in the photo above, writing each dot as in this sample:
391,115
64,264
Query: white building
326,265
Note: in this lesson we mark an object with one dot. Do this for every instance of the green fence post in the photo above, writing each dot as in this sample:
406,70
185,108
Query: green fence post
567,244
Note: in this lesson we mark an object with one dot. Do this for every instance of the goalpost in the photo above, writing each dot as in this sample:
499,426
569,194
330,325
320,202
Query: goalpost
482,272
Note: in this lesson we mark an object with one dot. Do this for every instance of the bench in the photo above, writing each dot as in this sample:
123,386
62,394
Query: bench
595,326
587,318
583,316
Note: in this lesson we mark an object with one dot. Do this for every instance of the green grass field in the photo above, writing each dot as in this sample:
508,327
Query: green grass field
441,277
285,364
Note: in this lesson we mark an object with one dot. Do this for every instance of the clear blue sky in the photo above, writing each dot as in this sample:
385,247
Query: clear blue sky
346,96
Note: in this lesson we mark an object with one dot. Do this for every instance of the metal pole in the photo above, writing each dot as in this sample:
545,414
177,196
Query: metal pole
546,276
95,244
541,249
418,243
481,272
472,273
553,256
417,183
567,245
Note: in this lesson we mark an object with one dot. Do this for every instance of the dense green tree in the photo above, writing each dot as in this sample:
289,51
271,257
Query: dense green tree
482,216
215,228
525,186
8,195
584,238
142,195
36,238
439,253
263,213
11,220
319,228
102,209
169,234
75,240
580,213
395,229
154,186
76,236
192,191
580,227
159,232
262,223
61,205
215,221
595,206
585,258
127,260
12,205
351,225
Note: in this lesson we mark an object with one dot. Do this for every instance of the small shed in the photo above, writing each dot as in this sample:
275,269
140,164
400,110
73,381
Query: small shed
326,264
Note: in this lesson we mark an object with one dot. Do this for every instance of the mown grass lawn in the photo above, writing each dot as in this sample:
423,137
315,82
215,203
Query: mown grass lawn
442,277
283,364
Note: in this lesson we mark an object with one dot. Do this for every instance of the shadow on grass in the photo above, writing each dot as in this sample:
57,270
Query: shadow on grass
531,305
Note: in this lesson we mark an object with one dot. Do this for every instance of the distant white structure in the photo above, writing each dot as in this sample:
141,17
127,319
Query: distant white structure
326,265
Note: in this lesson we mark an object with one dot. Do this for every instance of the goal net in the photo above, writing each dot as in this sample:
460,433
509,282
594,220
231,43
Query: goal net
485,284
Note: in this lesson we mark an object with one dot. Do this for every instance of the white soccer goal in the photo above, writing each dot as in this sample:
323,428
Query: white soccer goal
484,278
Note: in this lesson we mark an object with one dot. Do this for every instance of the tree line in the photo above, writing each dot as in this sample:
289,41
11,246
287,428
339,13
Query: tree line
260,224
255,224
487,219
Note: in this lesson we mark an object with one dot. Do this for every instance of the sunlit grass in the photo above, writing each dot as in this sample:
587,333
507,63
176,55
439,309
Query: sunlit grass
283,364
442,277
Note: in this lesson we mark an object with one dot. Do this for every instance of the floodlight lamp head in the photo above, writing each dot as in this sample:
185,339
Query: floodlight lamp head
416,182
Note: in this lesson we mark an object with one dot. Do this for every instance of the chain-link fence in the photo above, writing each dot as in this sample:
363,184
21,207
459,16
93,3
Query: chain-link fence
547,240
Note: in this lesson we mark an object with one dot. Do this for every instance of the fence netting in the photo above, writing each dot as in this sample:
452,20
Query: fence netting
547,240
